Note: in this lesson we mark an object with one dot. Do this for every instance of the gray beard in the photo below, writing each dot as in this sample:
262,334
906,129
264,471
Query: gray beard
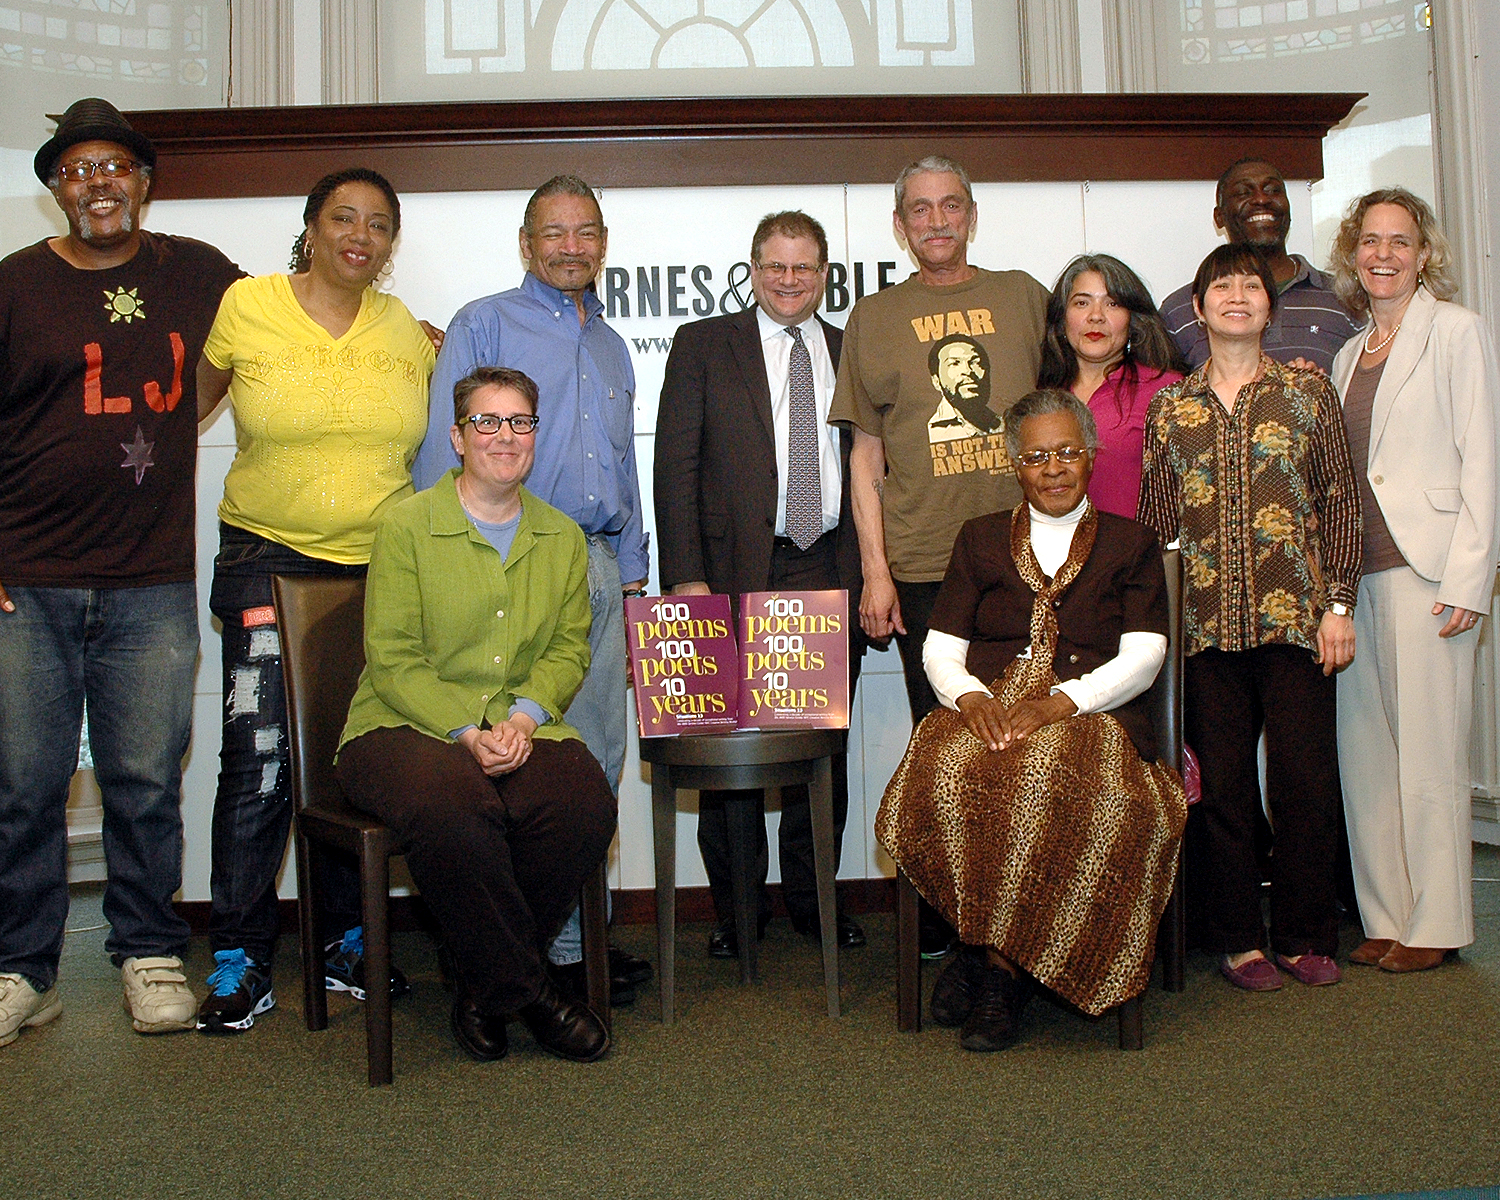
86,223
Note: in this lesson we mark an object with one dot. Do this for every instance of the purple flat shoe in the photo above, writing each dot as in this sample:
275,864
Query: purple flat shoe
1257,975
1315,970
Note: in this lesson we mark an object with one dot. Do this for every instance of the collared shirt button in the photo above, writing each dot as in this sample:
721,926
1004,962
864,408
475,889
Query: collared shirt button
497,658
486,699
1378,479
1072,658
591,497
591,455
500,612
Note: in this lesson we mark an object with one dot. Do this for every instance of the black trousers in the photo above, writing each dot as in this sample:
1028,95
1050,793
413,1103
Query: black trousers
499,860
813,569
1229,697
916,600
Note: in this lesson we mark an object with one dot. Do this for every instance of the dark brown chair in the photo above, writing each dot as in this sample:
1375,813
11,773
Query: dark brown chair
1165,698
321,625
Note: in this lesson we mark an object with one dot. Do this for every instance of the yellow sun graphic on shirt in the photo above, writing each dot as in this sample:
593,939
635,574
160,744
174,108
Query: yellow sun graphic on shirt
123,306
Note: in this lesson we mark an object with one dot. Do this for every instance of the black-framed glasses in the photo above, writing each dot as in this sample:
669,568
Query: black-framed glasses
110,168
1040,458
521,423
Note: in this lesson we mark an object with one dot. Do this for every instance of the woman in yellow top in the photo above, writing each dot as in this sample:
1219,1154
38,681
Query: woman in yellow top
327,378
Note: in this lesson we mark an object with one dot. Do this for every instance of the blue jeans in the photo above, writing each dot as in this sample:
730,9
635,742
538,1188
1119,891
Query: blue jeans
131,653
253,806
598,711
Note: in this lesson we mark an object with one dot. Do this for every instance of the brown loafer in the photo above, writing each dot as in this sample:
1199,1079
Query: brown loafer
1371,951
1401,958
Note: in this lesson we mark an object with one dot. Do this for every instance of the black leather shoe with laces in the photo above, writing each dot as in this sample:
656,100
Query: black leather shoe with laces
565,1027
481,1036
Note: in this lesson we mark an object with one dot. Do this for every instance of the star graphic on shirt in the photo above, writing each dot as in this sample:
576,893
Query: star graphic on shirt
123,306
138,454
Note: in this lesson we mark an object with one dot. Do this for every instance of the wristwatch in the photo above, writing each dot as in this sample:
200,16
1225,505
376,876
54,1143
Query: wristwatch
1340,610
632,591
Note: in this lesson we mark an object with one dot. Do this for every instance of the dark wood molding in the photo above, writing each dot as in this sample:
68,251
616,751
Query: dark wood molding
210,153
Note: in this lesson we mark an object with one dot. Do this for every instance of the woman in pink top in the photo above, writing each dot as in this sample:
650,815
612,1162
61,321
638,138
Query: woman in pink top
1106,344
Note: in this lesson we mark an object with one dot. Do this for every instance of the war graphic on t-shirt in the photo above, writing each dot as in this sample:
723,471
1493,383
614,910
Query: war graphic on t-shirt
965,434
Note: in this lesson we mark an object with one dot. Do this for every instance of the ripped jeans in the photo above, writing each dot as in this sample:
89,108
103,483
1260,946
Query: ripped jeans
253,806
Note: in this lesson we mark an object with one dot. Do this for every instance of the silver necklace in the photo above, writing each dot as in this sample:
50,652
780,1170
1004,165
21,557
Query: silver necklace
1386,342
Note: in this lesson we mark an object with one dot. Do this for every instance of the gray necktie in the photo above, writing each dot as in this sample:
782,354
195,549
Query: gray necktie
804,487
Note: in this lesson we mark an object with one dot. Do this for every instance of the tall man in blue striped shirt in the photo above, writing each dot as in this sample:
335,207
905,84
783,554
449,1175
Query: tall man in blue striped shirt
1311,323
552,328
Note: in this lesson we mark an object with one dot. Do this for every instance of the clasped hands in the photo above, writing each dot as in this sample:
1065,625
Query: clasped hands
502,748
997,726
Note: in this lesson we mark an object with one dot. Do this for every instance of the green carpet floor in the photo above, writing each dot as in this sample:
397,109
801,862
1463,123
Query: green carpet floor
1380,1085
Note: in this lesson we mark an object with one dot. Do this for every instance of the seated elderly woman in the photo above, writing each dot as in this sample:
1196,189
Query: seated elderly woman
476,639
1030,810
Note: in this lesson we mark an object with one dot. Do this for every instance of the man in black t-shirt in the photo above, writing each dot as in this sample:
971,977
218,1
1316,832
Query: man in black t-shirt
100,333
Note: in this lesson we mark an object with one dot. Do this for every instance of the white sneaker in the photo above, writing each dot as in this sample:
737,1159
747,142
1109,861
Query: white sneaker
21,1004
157,996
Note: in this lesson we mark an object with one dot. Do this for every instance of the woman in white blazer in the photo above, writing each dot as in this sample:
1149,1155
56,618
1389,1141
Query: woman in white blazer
1420,389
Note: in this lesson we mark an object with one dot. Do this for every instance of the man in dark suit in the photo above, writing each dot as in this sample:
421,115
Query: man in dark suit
751,495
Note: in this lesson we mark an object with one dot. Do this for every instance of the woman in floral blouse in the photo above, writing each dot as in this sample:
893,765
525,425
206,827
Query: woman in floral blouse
1246,464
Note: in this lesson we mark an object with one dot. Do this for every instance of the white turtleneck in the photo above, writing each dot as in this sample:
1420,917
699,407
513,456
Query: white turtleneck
1110,685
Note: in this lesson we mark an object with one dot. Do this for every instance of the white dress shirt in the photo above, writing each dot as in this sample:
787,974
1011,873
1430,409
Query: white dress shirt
1108,686
776,347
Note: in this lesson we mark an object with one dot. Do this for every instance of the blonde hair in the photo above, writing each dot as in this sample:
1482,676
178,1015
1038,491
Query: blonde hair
1437,274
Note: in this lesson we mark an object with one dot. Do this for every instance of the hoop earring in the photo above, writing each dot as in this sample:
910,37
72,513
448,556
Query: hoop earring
307,250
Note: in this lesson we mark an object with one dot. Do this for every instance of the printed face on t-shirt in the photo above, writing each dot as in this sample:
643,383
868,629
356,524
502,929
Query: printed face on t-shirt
961,375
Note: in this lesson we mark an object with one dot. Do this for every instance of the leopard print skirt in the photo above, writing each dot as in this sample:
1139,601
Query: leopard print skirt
1058,851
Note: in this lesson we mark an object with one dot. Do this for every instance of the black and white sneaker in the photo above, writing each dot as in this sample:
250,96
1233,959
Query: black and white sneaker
239,990
344,967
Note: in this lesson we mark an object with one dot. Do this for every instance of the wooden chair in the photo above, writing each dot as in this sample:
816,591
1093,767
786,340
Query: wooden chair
1165,699
321,625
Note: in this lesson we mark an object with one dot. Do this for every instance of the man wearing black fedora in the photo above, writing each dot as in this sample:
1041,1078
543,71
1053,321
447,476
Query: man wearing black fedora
100,332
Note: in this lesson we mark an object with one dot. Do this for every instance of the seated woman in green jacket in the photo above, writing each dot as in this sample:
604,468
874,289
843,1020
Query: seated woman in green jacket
476,638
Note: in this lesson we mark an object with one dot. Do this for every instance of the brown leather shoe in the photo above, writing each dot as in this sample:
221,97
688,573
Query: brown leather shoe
1371,951
1401,958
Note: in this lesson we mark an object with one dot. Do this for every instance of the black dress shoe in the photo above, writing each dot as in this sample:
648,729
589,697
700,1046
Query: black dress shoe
627,968
995,1020
573,979
483,1037
722,942
850,934
564,1027
958,987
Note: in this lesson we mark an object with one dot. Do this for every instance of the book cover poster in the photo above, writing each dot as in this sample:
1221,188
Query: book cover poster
794,660
684,660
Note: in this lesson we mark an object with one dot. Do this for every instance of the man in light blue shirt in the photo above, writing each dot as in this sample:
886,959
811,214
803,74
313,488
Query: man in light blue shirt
552,328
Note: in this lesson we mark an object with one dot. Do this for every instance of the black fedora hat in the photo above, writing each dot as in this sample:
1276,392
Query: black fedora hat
91,120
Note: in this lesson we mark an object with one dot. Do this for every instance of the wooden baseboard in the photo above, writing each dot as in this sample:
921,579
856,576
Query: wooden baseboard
633,906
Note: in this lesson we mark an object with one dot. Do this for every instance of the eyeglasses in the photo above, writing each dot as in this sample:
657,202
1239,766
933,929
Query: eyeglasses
521,423
800,270
1040,458
110,168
